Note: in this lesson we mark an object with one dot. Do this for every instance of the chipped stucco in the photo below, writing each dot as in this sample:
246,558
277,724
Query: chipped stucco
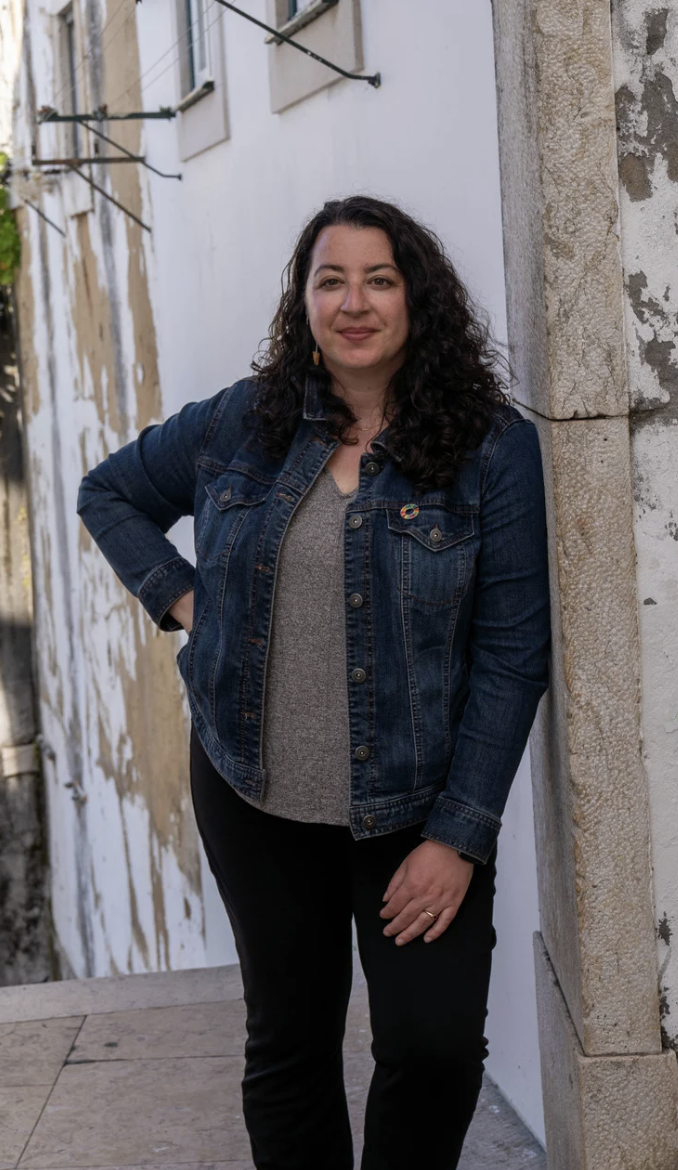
111,703
646,83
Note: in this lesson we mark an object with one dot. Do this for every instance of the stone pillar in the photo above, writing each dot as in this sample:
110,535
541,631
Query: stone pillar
610,1089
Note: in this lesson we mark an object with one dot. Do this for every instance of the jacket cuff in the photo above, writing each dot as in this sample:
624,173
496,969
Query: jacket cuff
163,587
463,828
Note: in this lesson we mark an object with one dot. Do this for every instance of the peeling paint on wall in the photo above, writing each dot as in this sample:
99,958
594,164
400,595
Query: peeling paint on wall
646,66
646,78
111,698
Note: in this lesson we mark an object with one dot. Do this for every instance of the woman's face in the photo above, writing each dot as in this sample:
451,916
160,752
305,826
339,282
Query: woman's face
355,301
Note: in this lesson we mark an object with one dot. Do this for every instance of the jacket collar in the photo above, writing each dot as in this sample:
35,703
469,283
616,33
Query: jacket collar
313,408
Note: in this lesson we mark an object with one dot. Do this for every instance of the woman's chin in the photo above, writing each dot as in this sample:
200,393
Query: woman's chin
355,361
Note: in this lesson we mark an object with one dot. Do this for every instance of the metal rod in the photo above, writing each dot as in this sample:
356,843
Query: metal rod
110,198
102,116
374,79
45,217
129,153
78,162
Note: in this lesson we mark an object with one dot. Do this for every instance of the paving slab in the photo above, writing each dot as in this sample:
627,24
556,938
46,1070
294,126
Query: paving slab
86,997
497,1138
152,1077
141,1112
33,1053
20,1109
358,1036
189,1030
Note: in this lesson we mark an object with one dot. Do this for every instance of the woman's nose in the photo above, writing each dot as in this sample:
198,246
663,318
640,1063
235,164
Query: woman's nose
355,300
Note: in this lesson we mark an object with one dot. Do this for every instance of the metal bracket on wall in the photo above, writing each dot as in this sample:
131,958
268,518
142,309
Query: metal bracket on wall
374,79
47,114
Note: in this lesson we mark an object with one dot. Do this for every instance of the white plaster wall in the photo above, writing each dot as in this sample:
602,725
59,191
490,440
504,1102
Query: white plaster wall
10,51
221,236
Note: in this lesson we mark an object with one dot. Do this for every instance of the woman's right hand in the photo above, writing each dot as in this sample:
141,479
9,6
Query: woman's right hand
182,610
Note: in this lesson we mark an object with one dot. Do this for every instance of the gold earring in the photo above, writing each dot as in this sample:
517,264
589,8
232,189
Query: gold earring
316,355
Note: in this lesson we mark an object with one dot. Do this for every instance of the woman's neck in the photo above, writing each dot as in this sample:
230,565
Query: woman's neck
366,392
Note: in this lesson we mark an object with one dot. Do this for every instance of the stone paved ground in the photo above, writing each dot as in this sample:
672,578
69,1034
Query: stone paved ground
144,1071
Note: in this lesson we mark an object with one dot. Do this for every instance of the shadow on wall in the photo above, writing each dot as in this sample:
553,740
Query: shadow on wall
25,934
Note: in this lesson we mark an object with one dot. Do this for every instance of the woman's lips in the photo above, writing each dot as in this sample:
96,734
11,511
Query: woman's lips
357,334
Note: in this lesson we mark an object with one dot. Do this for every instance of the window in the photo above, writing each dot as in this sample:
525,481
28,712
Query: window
296,6
198,42
68,83
331,28
291,15
202,120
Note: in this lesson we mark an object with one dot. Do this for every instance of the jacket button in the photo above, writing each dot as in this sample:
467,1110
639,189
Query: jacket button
435,534
355,600
355,521
225,496
369,822
372,468
358,675
362,753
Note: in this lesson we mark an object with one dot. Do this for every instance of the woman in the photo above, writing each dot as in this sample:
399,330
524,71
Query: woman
368,636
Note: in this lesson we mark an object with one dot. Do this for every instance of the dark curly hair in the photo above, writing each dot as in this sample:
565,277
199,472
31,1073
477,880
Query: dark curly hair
442,399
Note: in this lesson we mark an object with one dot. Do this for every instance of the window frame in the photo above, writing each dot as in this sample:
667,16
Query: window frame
196,14
330,28
290,23
202,109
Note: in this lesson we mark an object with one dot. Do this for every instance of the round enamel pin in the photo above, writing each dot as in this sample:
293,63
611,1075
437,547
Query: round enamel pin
409,511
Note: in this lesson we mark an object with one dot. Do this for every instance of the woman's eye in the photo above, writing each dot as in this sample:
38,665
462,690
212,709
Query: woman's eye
331,280
381,281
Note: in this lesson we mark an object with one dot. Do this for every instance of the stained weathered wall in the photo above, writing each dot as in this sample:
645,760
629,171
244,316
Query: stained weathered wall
112,711
646,83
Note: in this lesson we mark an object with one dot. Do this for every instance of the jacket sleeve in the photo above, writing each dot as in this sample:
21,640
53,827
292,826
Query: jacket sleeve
509,644
129,501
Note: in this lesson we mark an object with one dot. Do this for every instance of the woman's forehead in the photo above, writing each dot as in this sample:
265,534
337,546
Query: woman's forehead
348,246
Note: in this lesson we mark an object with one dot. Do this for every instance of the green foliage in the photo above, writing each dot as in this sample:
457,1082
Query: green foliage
10,240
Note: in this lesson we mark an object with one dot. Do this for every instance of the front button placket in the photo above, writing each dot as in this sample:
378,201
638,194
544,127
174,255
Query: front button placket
358,617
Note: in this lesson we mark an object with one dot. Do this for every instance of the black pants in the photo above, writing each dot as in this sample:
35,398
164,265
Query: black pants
290,889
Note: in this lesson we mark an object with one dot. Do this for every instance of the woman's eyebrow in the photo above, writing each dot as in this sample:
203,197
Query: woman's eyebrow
339,267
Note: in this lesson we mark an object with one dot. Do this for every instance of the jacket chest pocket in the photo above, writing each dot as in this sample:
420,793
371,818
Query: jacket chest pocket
436,552
232,499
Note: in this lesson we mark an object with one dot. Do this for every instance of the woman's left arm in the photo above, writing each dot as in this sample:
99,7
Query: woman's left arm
509,644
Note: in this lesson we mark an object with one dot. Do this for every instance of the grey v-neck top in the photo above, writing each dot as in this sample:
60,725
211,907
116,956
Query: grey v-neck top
306,731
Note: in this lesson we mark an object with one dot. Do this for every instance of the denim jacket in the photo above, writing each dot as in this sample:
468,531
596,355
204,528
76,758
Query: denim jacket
446,596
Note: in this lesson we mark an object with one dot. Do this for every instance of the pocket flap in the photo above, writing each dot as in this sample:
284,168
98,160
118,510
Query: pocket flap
434,527
233,487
